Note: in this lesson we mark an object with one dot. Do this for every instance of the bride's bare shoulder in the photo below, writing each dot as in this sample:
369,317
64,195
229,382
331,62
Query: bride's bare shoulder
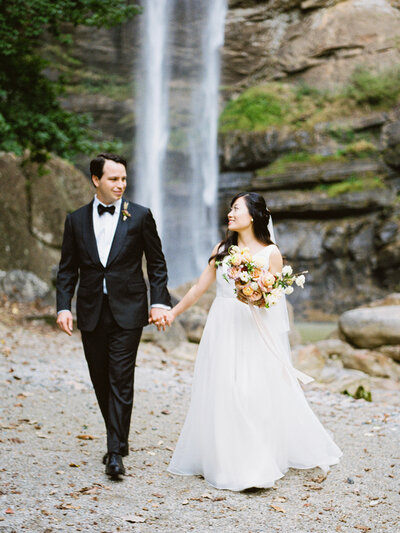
274,251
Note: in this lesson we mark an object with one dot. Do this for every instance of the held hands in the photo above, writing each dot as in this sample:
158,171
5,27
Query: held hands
65,322
161,318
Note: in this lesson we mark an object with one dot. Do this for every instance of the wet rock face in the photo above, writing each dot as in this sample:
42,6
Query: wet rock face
391,140
319,42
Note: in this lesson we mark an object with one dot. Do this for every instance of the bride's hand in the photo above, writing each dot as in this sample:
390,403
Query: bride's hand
169,317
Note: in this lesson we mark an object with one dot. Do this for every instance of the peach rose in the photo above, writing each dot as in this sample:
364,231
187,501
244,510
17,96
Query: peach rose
256,273
255,296
234,272
236,259
267,279
248,291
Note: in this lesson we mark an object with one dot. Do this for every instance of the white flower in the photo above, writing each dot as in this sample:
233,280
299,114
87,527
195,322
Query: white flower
245,277
277,292
287,270
254,286
272,299
288,290
234,250
300,281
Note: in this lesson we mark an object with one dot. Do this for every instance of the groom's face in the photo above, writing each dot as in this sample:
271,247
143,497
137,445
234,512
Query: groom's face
112,184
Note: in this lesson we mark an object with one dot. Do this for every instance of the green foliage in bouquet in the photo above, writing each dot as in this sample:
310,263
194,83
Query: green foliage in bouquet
31,116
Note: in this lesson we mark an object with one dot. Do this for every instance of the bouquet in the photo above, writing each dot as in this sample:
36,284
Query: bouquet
254,284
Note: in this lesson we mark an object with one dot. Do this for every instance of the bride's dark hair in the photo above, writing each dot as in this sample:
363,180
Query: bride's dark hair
260,214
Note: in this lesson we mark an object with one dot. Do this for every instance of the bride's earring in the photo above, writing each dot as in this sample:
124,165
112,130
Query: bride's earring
252,219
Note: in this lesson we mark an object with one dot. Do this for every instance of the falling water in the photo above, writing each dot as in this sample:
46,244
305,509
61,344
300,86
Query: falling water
176,164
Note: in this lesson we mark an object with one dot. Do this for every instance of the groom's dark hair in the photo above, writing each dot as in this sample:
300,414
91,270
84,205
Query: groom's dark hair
97,164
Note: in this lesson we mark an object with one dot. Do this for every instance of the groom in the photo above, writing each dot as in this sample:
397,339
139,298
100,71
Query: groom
103,246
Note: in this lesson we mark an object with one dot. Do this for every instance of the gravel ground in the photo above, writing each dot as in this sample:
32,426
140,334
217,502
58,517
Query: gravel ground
52,442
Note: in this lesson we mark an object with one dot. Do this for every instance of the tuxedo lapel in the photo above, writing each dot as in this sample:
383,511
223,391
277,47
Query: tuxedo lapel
88,234
119,236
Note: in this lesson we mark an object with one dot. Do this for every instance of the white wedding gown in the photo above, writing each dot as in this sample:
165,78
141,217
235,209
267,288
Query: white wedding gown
248,420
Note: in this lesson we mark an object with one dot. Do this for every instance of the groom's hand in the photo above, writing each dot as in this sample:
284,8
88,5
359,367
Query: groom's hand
157,317
65,321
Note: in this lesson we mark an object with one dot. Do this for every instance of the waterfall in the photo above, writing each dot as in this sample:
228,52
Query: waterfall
176,163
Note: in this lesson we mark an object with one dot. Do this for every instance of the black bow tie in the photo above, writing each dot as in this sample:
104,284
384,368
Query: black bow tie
105,209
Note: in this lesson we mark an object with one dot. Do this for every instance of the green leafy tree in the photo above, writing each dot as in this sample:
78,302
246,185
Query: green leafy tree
31,116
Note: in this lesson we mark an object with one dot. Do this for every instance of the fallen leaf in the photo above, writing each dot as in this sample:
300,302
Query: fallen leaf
277,508
65,506
86,437
42,436
165,412
89,490
319,479
158,495
9,511
60,472
280,499
363,528
133,519
185,502
74,465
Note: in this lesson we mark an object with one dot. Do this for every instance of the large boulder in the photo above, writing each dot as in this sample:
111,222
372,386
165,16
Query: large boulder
193,320
169,339
331,348
308,359
23,286
372,362
33,209
337,379
391,351
371,327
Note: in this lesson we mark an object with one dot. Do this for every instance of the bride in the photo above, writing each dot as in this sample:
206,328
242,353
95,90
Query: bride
248,420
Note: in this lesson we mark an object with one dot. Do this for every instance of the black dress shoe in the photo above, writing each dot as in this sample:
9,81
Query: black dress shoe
123,454
114,465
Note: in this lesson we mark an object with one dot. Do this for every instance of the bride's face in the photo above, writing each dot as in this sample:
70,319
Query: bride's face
239,217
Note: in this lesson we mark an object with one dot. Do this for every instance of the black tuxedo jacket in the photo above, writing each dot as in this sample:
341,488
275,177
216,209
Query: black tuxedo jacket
126,288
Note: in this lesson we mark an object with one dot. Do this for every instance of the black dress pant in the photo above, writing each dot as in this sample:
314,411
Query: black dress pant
110,352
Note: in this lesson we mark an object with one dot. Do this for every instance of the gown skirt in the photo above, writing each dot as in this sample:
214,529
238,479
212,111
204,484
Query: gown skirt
248,421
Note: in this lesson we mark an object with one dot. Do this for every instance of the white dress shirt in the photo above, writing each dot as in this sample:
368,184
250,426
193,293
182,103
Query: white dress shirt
104,230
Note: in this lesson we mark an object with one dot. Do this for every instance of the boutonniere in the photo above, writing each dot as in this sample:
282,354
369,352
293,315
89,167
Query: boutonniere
125,212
